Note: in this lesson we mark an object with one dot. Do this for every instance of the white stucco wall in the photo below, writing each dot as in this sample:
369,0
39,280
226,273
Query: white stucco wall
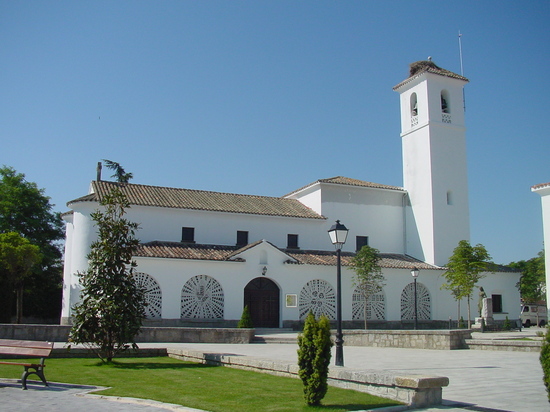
544,191
434,165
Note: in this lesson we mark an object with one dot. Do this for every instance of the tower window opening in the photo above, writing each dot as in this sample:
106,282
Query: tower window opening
449,197
445,107
414,109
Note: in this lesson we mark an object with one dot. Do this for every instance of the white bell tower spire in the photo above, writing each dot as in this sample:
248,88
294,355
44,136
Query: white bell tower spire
434,161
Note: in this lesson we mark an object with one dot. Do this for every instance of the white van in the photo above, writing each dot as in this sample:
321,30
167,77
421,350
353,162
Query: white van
534,315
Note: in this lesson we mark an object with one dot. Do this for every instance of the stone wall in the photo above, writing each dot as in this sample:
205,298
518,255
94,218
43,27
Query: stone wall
60,333
415,390
505,344
415,339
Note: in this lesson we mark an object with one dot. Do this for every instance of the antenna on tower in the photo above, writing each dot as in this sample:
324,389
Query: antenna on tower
461,67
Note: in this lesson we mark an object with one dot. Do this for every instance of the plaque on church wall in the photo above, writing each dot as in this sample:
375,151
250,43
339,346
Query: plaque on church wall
291,301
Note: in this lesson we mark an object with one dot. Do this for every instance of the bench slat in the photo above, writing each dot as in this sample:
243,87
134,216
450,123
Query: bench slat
25,347
25,351
26,343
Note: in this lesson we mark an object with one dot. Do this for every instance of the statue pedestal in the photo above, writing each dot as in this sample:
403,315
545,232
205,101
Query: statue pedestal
477,324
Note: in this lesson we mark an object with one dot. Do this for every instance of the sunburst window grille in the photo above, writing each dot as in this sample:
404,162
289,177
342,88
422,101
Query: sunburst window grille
376,306
153,295
319,297
202,298
424,302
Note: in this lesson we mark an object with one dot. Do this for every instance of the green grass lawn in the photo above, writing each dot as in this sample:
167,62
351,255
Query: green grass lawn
212,388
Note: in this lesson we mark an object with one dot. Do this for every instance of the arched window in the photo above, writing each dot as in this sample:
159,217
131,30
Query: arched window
317,296
153,295
445,102
423,302
445,107
414,109
375,308
202,298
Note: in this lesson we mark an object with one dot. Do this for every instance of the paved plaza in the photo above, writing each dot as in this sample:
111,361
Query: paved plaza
479,380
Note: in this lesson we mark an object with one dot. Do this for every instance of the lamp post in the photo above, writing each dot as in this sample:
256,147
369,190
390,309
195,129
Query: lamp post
414,274
338,234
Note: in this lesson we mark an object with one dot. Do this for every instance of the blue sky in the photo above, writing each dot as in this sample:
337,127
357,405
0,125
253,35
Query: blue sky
263,97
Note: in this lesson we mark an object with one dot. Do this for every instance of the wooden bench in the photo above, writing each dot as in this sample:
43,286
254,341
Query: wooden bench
27,348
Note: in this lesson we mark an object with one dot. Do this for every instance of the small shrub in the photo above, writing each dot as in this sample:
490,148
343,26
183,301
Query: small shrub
545,363
246,320
314,358
507,325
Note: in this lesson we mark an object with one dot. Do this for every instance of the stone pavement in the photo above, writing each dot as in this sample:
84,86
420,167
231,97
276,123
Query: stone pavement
485,381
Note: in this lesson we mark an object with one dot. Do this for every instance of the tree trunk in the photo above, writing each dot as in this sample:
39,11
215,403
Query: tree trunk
19,304
469,317
365,311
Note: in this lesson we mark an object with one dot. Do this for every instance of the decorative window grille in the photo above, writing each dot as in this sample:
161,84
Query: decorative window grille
414,121
317,296
376,306
446,118
202,298
423,299
153,295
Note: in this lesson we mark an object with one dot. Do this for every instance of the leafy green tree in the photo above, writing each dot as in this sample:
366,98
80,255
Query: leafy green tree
120,175
368,274
18,257
26,210
532,283
314,358
464,270
112,306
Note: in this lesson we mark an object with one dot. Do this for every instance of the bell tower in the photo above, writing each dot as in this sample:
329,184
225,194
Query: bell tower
434,162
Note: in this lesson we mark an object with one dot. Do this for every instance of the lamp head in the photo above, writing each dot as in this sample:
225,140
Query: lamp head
338,234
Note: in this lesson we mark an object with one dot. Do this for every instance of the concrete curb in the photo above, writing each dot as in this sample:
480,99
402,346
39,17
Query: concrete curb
411,389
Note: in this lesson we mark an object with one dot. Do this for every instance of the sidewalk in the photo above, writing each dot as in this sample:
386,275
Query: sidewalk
486,381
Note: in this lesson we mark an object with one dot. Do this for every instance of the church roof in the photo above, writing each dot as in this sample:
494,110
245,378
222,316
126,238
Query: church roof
157,196
341,180
427,66
178,250
540,186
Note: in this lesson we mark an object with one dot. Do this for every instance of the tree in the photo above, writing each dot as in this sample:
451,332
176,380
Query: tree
18,257
112,306
314,358
368,274
464,269
532,283
26,210
120,174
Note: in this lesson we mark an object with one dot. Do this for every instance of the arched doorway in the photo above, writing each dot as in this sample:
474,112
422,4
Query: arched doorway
262,296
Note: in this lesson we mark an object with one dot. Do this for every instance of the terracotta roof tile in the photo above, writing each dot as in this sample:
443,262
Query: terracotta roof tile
178,250
341,180
427,66
540,186
156,196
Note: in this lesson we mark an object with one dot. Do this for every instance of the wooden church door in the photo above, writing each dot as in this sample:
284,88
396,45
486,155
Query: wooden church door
262,296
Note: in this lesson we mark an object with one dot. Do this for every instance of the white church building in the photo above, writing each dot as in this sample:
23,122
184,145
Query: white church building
205,255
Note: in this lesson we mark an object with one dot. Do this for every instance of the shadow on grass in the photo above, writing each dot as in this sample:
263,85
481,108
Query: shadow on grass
350,406
153,365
